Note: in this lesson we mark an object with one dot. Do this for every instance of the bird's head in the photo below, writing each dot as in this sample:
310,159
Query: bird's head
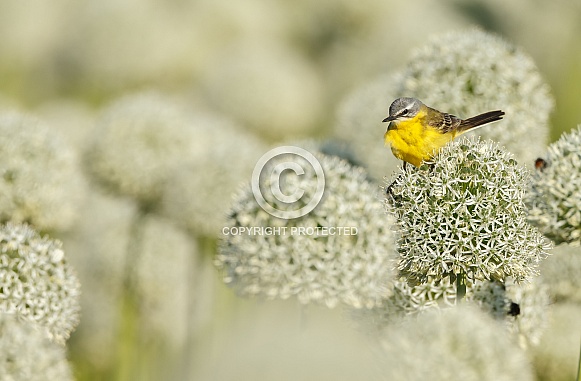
403,109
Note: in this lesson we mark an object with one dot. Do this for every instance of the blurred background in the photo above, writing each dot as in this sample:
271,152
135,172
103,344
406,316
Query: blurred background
276,71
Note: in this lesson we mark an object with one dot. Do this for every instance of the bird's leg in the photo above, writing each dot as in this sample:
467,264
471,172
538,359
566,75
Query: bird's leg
388,188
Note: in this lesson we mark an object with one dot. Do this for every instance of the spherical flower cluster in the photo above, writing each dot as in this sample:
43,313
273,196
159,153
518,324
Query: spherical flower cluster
555,196
456,344
137,141
40,181
359,122
27,355
561,273
198,191
342,251
463,213
523,308
449,74
36,282
270,89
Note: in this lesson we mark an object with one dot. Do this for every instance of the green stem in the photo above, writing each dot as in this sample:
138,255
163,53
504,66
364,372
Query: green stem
460,287
128,345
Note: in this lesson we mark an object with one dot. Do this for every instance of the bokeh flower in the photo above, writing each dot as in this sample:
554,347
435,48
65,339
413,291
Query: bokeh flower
554,199
74,120
161,281
450,75
97,247
358,122
522,307
556,358
137,141
37,283
460,343
350,266
165,276
561,273
40,180
198,191
27,355
115,48
463,213
270,89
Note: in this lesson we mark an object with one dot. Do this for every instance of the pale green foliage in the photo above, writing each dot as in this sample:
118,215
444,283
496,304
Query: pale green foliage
555,196
40,181
463,213
36,282
352,269
27,355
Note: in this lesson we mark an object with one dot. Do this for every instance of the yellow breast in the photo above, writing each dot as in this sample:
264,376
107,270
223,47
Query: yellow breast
410,141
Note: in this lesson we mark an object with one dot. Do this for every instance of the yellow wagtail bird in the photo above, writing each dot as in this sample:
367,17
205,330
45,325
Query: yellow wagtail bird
417,132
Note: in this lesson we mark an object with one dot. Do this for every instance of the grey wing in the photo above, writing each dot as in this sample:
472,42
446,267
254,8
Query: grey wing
442,121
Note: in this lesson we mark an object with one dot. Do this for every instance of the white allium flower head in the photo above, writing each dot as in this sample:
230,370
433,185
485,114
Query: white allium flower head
471,71
555,196
561,273
270,89
198,191
137,141
27,355
352,268
37,283
463,213
359,119
40,181
460,343
522,307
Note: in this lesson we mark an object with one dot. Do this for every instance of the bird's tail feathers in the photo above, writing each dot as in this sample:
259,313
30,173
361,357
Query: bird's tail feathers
480,120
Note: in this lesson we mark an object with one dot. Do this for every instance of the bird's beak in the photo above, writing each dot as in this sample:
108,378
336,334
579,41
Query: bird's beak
389,119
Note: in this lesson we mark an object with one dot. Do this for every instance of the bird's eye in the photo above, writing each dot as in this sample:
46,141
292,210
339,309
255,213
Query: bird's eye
405,111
